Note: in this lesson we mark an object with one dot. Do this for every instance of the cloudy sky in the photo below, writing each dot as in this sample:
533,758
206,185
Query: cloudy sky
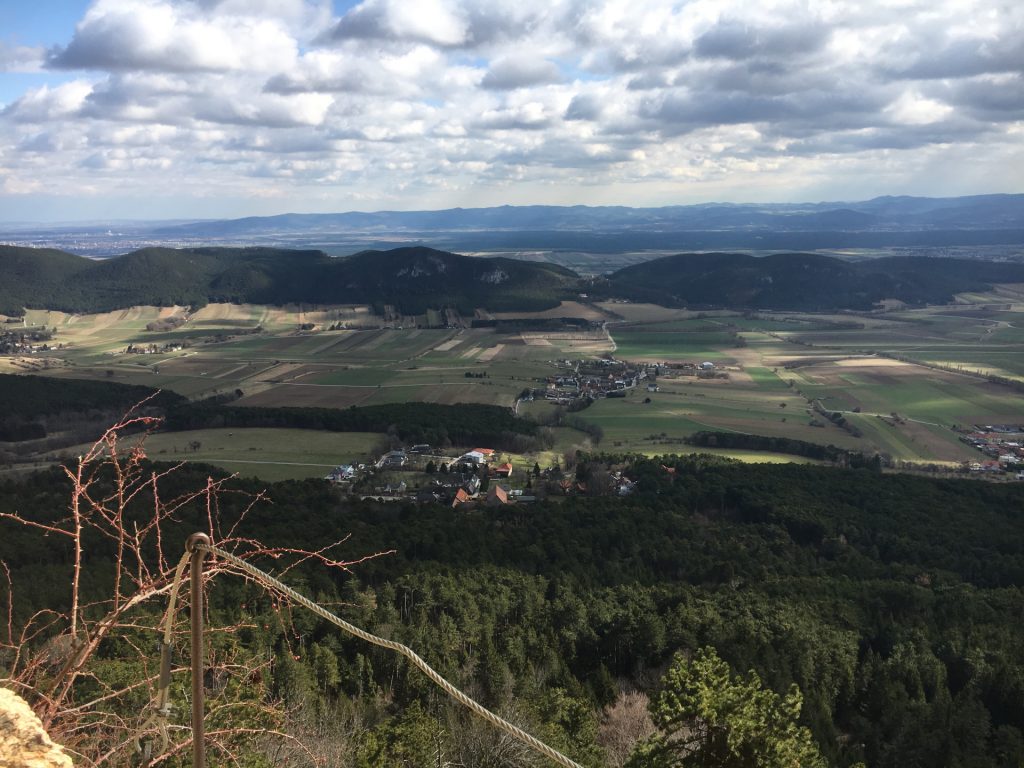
209,108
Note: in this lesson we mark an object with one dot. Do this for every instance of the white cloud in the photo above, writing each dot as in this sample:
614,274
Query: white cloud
422,104
520,71
132,35
21,58
45,104
913,109
428,21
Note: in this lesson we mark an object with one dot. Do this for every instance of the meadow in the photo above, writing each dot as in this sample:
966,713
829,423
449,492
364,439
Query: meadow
270,454
779,370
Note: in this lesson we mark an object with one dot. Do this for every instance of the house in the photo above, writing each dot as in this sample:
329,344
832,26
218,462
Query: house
472,486
473,457
392,459
461,497
502,470
487,453
496,496
341,473
429,495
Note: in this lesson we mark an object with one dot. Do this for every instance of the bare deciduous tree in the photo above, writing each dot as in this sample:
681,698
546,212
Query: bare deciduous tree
52,658
623,724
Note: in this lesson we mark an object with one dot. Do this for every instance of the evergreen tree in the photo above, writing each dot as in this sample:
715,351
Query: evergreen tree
709,717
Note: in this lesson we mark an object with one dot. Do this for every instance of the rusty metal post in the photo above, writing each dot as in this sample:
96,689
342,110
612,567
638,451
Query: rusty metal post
196,609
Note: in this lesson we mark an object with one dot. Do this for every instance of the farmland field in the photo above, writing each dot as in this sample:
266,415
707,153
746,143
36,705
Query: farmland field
775,371
783,365
270,454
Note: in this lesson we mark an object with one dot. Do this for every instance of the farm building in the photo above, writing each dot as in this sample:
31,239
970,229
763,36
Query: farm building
496,496
341,473
392,459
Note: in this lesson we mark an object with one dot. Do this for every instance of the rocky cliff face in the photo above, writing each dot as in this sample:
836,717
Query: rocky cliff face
23,742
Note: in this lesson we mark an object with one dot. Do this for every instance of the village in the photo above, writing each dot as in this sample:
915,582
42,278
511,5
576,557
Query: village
592,379
25,342
478,477
486,477
1002,443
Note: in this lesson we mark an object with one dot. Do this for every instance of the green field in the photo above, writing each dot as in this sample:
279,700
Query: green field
779,367
800,359
270,454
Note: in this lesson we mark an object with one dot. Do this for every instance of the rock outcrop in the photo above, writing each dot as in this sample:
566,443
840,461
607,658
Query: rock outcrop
23,742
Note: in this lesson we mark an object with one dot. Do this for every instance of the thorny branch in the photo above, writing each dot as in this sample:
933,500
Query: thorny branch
51,657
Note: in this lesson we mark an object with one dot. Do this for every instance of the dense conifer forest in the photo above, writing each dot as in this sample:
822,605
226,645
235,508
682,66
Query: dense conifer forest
893,602
412,279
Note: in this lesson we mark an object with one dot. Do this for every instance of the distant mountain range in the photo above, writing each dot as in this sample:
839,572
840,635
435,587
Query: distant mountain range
883,222
879,214
418,278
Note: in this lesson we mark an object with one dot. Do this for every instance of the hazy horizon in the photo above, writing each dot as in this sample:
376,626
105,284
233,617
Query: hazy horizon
708,203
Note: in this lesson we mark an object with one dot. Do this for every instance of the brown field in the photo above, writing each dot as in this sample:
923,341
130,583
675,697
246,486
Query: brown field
644,313
873,362
489,354
565,309
448,345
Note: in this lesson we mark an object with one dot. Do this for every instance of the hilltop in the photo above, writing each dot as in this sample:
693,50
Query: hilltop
803,281
413,279
409,278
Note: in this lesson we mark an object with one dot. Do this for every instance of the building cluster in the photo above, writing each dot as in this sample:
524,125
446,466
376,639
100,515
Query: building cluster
608,377
453,479
24,342
154,349
594,379
1003,444
612,484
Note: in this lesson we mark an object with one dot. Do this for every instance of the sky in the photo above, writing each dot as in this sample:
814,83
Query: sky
145,109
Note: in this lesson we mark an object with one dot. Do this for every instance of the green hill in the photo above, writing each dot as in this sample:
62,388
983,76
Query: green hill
803,281
417,278
412,279
35,275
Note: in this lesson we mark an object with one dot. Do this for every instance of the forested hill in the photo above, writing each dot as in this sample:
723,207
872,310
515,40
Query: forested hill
803,281
412,279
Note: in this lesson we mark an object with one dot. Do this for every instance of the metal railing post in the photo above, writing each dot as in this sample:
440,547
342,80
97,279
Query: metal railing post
196,610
